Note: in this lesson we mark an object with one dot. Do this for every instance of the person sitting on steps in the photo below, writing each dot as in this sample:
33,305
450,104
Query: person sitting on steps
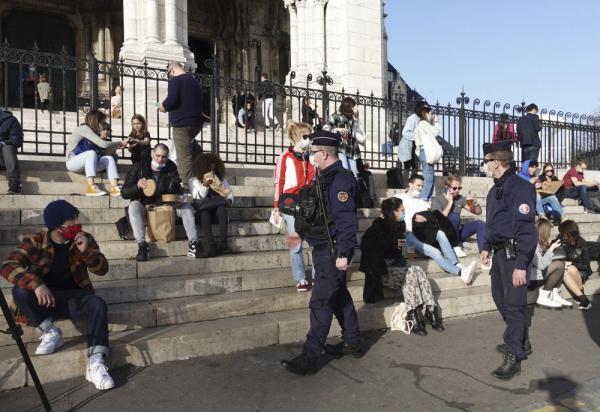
211,196
49,271
163,173
11,139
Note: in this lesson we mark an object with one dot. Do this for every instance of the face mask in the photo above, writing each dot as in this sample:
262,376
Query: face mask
311,159
487,171
69,232
416,193
303,144
157,166
402,216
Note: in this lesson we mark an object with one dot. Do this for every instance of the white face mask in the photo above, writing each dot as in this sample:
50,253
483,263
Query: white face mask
415,193
157,166
487,170
303,144
311,159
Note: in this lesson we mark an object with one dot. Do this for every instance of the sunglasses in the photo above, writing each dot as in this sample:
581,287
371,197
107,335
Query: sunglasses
549,170
455,188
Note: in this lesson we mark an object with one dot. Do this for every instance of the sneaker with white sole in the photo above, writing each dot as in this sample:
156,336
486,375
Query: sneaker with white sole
51,341
546,300
94,190
459,252
97,373
467,272
302,286
559,298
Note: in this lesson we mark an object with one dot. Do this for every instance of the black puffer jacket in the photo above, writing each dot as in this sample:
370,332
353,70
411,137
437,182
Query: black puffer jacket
168,182
582,254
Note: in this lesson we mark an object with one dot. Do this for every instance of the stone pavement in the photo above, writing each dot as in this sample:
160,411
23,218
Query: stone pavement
439,372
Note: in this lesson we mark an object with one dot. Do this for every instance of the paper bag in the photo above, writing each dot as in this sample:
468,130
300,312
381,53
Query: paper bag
550,188
161,224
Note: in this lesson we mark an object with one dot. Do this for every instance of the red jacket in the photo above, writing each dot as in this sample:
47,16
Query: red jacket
292,174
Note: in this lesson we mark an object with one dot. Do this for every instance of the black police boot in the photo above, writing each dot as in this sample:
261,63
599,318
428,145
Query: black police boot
510,367
526,347
301,365
344,349
142,254
431,311
418,324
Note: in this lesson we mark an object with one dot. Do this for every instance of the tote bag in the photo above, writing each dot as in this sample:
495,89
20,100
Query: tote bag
433,150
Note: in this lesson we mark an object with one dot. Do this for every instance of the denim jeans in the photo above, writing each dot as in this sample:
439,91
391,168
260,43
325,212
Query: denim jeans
581,193
8,161
548,200
74,304
90,163
429,176
446,258
348,163
296,257
138,215
469,229
529,153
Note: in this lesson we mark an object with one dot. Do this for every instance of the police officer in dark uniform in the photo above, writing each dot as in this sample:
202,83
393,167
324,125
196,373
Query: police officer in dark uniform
331,258
511,235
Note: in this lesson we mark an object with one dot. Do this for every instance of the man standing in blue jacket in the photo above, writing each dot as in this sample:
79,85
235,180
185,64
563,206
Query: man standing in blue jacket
528,128
184,104
11,138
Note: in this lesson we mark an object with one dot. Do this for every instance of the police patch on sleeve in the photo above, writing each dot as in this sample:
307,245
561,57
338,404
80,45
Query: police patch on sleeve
343,196
524,208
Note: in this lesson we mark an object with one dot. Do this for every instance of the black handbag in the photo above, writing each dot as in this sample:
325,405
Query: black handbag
124,227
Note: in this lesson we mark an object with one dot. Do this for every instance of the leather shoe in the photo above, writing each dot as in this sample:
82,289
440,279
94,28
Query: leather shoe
301,365
344,349
511,366
418,324
431,311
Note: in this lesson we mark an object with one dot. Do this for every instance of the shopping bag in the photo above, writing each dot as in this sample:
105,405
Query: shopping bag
161,223
399,320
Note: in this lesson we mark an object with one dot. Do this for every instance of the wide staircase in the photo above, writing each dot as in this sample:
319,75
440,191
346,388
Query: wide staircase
174,307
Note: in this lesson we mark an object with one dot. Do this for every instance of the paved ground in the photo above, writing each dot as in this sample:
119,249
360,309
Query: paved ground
439,372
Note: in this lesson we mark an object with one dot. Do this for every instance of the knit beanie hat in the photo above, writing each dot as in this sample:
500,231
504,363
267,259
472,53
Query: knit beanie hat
57,211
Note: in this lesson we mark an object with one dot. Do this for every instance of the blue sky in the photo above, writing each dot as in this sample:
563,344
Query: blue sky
547,52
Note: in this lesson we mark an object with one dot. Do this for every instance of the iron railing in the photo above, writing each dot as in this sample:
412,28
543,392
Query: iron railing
79,85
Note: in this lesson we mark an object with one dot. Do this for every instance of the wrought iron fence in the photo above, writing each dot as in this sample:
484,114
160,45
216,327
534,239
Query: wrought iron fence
79,85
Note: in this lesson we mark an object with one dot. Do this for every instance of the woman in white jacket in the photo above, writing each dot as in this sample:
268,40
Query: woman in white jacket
428,125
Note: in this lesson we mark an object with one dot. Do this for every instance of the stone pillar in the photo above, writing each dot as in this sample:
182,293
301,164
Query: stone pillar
130,22
171,37
151,7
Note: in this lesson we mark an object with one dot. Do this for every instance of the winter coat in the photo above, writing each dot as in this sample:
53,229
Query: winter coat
11,132
377,245
168,182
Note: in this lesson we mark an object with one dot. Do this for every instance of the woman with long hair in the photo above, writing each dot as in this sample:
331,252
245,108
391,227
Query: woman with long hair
86,152
293,172
428,125
211,196
383,264
578,257
504,130
347,123
547,269
139,139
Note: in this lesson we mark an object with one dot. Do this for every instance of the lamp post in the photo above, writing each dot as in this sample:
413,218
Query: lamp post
324,80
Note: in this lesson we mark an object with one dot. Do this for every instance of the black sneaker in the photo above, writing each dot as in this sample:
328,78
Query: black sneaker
584,303
511,366
194,249
526,347
344,349
301,365
142,254
14,189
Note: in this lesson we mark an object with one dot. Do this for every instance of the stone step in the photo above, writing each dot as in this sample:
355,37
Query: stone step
141,347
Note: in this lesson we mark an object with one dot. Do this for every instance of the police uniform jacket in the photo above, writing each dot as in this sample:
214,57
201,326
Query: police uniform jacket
511,215
339,194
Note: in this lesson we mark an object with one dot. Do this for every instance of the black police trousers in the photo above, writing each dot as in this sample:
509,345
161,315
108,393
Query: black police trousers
511,303
330,297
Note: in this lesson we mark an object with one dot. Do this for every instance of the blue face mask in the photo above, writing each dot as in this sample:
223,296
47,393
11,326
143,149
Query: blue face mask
402,216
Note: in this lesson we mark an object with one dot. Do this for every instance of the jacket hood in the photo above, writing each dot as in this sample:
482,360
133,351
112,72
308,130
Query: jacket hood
4,115
524,173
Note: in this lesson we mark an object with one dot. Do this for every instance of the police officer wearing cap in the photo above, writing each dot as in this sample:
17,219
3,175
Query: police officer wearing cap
511,235
331,259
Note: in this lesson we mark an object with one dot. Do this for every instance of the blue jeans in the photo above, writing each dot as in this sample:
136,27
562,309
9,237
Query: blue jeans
548,200
90,162
579,192
296,257
446,261
530,153
348,163
429,176
469,229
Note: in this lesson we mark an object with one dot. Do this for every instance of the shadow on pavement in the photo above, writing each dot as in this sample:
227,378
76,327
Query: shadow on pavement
557,386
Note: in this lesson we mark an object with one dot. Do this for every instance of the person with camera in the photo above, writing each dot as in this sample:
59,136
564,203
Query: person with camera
429,125
511,234
451,203
347,124
328,221
384,265
145,184
49,271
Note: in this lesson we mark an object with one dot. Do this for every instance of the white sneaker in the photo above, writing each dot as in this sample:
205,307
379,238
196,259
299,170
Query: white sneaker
485,267
459,252
51,341
97,373
466,273
558,298
545,300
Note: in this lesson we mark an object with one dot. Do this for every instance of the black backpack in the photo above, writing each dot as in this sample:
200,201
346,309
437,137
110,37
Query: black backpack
363,195
395,180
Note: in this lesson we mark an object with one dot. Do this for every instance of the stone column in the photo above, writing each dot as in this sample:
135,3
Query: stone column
130,22
151,7
171,37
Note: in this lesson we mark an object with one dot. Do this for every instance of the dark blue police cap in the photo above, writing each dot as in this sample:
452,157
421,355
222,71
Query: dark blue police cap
325,138
503,146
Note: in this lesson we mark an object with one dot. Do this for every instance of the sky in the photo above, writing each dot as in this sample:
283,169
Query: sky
545,52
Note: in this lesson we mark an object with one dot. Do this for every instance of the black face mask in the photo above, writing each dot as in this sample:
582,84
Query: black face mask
301,156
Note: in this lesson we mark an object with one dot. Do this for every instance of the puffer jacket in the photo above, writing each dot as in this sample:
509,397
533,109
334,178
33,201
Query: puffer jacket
168,182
